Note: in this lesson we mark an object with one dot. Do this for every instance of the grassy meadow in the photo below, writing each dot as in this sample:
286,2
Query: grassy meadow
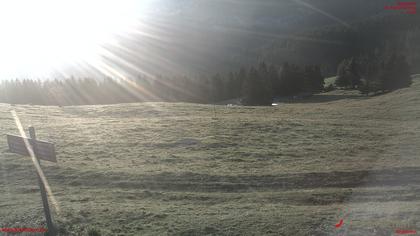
189,169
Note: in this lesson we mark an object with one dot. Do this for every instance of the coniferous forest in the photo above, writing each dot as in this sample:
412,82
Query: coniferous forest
373,56
257,86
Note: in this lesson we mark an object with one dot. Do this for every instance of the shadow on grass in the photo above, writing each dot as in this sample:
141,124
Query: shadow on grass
195,182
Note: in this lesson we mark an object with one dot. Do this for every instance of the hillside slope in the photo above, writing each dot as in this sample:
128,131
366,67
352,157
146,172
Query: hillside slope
206,37
187,169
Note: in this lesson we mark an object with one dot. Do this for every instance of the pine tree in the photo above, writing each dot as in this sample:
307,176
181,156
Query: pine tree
255,91
348,74
274,79
217,88
342,80
403,76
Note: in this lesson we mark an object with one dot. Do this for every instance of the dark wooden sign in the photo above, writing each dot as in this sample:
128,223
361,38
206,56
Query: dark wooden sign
43,150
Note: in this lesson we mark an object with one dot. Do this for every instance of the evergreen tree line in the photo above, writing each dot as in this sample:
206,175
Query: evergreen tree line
255,85
330,44
374,73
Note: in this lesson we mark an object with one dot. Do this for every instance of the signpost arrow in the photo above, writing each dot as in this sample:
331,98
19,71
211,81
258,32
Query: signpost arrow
43,150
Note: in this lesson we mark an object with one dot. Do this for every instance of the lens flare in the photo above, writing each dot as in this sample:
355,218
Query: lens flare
41,36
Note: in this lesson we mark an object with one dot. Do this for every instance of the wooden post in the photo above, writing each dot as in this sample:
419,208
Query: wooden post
51,229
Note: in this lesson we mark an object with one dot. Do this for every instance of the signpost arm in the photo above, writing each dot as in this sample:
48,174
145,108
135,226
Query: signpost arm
50,225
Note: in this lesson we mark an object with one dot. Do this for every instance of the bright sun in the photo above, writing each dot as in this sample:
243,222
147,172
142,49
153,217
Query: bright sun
41,36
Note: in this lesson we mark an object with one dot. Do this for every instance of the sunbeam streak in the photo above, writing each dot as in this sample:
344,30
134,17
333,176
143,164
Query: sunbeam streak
41,36
35,162
312,7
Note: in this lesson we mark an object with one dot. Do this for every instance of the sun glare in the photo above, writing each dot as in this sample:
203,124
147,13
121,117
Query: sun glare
38,37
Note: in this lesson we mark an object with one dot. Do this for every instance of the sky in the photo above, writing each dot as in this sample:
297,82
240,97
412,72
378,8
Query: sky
41,37
122,38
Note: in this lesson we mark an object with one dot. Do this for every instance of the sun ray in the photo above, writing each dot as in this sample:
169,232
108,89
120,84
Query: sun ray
312,7
35,162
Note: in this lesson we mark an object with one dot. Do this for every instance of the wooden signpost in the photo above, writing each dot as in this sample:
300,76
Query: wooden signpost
43,151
